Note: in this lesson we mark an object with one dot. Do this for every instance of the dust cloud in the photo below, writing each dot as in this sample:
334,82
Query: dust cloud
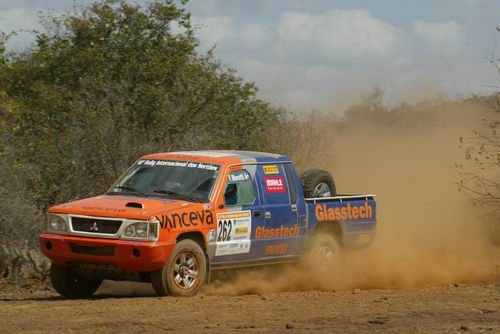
427,234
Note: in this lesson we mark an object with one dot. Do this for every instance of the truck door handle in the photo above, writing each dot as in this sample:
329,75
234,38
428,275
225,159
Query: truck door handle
256,213
294,207
268,214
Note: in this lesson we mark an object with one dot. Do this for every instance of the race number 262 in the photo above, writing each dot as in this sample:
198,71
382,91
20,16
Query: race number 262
224,228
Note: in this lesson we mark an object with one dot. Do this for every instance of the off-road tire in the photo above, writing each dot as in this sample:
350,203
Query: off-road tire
313,180
71,285
323,253
186,261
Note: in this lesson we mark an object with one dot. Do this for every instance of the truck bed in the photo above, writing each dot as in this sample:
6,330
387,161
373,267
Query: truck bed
355,214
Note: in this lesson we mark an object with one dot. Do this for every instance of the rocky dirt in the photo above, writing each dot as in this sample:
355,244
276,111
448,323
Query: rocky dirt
125,308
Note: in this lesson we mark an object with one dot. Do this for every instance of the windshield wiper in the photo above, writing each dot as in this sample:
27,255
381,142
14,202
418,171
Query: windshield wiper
177,195
130,189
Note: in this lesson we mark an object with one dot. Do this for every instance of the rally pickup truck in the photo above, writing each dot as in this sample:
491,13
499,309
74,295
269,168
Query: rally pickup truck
173,218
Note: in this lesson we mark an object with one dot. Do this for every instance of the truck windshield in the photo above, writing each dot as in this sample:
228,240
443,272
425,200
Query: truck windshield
185,180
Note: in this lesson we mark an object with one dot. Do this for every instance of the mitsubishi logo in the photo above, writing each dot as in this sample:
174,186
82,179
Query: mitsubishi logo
94,228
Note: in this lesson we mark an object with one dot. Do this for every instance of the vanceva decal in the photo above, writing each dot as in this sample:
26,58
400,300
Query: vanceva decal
186,219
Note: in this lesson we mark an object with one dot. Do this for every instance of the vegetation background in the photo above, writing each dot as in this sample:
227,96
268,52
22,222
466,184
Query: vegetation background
108,83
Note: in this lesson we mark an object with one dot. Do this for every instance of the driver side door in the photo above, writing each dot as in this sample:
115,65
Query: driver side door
242,215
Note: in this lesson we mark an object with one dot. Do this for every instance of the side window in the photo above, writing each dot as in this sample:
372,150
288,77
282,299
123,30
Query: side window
239,189
291,184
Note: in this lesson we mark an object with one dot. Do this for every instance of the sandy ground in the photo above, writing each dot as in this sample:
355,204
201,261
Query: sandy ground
454,308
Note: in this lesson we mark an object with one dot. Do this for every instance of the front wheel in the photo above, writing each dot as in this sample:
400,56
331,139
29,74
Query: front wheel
184,273
70,284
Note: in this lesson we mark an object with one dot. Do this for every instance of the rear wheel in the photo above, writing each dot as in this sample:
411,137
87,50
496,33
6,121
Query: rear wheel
324,253
184,273
317,183
69,284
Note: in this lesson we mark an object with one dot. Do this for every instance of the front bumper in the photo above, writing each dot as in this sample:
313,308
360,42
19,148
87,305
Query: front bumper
132,256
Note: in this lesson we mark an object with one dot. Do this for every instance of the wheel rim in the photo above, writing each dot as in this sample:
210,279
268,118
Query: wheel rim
322,190
185,270
325,252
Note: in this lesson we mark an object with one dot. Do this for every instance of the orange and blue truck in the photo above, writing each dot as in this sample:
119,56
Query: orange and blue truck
174,218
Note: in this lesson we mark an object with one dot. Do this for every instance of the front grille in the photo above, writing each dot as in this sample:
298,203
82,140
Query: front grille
93,250
93,225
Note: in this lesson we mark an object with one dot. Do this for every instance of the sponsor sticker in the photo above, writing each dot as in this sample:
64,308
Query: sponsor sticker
177,163
239,176
276,249
271,169
275,184
233,232
263,232
102,208
211,235
241,230
344,212
185,219
230,248
210,154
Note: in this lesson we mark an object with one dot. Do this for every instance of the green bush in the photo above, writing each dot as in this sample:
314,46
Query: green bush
102,86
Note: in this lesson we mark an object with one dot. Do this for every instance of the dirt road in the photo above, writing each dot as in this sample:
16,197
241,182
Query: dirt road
471,308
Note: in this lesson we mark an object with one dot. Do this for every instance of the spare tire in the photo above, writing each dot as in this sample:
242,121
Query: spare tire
317,183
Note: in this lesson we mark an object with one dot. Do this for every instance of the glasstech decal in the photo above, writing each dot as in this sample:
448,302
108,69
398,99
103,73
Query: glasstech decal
262,232
186,219
324,213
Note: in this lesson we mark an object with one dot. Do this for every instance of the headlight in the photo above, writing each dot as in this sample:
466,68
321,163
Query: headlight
143,230
56,224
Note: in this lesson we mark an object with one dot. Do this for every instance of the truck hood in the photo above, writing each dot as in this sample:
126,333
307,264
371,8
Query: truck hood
119,206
